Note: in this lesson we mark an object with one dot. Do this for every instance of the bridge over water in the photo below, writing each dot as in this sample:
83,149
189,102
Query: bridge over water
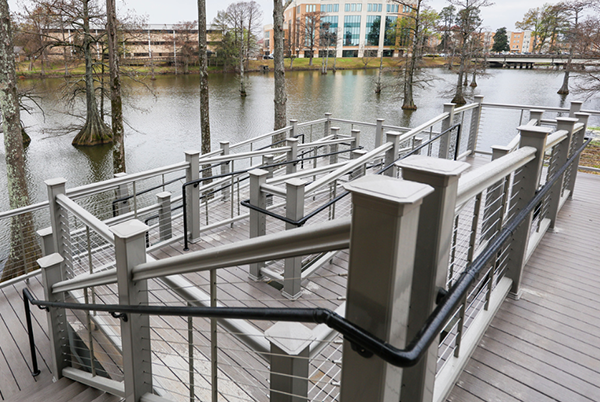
414,258
529,61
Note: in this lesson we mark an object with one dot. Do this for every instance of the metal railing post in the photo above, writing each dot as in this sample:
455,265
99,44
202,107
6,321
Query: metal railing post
446,124
130,250
392,154
292,155
562,150
294,128
258,220
361,171
577,142
47,241
335,133
122,191
385,215
493,209
294,209
575,108
327,124
475,123
536,114
436,223
53,272
225,168
193,196
379,132
165,224
526,182
59,223
269,160
417,141
355,133
290,346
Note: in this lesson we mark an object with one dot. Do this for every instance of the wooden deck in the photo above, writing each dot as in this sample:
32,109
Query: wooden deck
544,346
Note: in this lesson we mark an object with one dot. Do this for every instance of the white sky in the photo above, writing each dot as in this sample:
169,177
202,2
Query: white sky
504,13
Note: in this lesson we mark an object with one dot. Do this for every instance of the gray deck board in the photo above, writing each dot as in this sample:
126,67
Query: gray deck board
542,347
545,346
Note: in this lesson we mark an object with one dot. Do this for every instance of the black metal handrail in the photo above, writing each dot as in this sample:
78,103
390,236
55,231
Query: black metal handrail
365,343
196,182
307,217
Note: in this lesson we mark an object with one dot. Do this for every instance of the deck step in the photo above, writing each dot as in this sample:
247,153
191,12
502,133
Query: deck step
64,390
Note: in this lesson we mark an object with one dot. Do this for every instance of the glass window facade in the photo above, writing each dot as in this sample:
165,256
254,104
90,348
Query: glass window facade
351,30
374,7
389,38
392,8
373,30
330,8
329,28
353,7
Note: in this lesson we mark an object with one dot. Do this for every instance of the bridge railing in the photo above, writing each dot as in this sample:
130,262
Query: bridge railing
497,205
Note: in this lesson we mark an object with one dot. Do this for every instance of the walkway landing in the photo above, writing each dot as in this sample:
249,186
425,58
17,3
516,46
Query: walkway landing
546,345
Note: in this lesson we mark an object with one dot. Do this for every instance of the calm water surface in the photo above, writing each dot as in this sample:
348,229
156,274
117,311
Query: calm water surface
161,126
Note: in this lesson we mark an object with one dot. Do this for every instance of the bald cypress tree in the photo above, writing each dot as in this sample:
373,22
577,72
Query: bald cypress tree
24,249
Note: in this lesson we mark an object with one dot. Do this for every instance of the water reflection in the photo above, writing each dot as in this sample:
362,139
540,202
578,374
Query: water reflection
163,123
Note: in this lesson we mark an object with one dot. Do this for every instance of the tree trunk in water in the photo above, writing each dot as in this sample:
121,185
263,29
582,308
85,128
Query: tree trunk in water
94,131
204,115
474,80
242,76
564,89
24,247
279,69
378,87
411,63
116,103
459,98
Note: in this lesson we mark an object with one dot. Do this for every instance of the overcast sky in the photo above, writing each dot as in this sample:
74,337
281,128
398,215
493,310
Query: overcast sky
504,13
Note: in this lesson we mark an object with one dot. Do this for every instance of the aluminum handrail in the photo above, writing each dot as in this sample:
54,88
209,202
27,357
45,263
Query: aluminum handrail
466,107
94,188
358,123
555,138
428,123
546,108
261,137
87,218
24,210
328,236
312,122
474,182
364,342
353,164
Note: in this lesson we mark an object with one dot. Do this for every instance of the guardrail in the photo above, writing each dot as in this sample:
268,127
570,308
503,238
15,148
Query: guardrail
474,293
481,213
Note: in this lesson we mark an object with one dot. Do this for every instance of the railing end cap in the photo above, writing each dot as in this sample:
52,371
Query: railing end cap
55,181
50,260
291,337
389,189
129,229
441,167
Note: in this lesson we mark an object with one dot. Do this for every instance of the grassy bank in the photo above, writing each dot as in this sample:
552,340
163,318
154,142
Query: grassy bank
590,156
57,68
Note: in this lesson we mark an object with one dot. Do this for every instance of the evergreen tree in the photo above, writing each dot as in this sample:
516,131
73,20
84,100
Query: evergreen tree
500,41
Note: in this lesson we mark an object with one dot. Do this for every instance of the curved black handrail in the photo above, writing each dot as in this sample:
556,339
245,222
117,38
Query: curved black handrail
238,172
365,343
307,217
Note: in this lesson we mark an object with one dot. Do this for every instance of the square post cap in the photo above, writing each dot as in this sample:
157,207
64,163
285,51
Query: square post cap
291,337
